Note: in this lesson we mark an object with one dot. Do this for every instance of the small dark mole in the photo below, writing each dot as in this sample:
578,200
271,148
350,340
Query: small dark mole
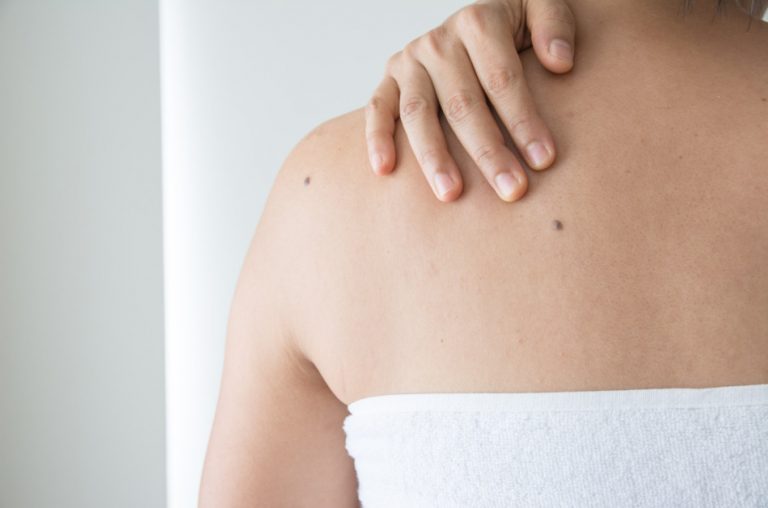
764,99
557,224
680,157
306,181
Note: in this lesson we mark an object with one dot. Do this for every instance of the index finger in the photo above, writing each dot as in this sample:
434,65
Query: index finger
381,113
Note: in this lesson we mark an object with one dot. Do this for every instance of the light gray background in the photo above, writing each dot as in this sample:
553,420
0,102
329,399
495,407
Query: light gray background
243,81
81,279
81,314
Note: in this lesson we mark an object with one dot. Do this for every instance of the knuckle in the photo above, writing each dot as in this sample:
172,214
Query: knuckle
375,105
393,61
511,14
412,107
411,49
472,18
434,41
484,154
460,105
500,79
519,126
429,158
559,13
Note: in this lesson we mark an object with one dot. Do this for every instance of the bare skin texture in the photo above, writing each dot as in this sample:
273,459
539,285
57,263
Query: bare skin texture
656,276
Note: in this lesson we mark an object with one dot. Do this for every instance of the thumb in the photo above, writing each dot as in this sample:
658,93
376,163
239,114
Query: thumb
553,33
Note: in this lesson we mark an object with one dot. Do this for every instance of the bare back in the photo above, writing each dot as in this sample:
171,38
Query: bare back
639,260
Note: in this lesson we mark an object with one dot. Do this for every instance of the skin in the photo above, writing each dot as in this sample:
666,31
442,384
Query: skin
357,286
465,70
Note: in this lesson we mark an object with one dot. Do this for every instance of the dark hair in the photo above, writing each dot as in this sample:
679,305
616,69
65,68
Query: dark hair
755,7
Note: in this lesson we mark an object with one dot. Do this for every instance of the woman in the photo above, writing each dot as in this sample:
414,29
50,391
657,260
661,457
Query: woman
602,342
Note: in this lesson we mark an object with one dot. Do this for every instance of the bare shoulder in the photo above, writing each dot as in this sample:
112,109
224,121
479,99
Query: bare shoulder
339,221
328,156
277,438
322,188
320,202
331,162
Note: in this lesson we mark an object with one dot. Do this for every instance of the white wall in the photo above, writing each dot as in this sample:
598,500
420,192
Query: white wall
243,81
81,318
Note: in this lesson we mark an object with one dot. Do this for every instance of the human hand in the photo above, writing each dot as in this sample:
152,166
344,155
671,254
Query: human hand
473,54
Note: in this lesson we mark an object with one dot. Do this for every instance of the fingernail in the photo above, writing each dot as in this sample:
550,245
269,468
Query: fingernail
561,49
538,153
443,184
505,182
377,161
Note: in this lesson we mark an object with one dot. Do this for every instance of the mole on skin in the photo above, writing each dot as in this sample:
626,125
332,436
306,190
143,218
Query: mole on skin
306,181
557,224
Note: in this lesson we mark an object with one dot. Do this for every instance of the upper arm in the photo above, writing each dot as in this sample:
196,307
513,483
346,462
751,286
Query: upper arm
277,437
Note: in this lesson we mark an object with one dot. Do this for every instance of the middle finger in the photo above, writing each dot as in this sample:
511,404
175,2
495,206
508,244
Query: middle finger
463,103
501,74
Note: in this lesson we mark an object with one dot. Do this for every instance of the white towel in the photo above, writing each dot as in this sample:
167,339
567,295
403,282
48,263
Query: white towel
691,447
